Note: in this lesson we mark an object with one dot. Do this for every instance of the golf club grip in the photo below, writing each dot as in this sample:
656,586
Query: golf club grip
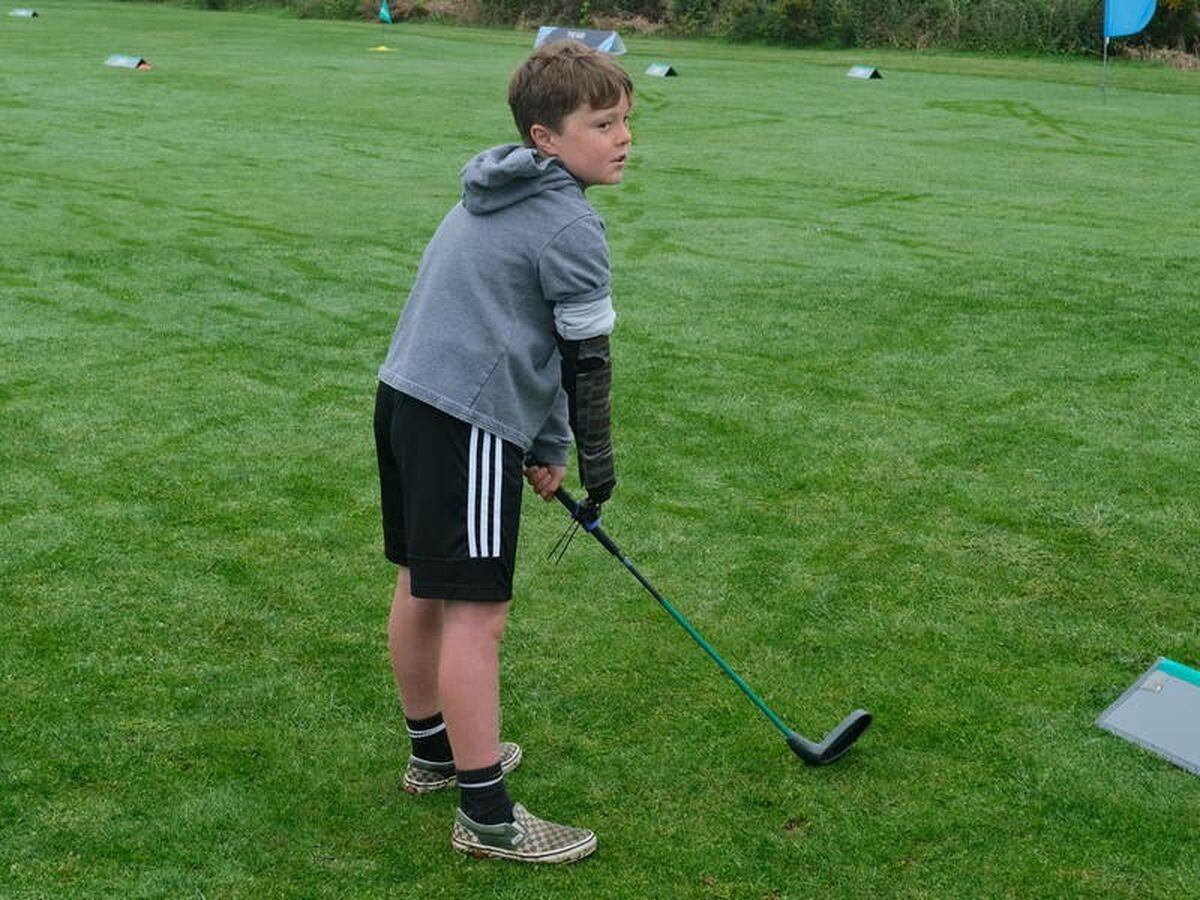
564,497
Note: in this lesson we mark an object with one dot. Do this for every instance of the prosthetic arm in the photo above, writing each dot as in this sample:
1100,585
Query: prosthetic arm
587,380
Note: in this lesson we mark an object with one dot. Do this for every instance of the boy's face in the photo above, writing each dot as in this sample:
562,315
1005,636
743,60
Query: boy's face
593,143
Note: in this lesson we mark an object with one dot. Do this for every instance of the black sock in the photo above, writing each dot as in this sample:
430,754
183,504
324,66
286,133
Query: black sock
430,743
483,797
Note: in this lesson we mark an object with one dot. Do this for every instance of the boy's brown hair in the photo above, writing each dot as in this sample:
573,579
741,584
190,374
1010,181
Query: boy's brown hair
559,78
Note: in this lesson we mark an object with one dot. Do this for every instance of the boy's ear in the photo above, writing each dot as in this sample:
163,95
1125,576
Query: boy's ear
543,139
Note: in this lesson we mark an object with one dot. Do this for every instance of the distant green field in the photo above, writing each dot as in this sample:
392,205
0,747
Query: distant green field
907,417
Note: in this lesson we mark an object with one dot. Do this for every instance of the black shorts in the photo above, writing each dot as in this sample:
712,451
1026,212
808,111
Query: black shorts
451,499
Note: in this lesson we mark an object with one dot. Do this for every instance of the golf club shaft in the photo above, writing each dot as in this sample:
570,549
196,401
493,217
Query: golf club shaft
610,545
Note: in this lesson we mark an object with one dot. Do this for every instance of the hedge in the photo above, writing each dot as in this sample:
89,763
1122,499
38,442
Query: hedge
1055,26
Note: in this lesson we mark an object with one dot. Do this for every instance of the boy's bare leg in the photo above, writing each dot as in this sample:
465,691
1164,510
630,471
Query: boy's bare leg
469,680
414,638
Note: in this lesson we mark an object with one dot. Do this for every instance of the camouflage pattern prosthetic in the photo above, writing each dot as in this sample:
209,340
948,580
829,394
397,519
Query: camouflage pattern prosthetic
587,379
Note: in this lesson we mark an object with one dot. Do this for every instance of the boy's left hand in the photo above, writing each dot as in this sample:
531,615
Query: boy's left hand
545,480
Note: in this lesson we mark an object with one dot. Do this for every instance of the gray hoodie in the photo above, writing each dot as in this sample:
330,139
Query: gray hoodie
521,256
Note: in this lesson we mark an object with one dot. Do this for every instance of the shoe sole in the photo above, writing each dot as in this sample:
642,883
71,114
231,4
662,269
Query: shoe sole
566,855
506,766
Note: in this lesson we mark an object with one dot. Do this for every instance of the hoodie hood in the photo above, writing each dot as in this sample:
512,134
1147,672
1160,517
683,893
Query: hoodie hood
508,174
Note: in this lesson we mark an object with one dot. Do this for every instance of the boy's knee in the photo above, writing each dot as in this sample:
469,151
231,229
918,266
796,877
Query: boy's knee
484,619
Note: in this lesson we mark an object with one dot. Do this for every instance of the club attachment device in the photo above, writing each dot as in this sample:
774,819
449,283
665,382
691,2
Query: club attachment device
814,753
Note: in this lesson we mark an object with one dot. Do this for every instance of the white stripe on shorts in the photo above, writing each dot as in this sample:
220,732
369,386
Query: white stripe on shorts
498,481
485,462
471,551
484,458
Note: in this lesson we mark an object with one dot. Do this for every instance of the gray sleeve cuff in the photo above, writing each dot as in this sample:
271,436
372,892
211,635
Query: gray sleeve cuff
550,454
580,321
553,443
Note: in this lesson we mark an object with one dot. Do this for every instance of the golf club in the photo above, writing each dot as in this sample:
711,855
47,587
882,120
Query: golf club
815,753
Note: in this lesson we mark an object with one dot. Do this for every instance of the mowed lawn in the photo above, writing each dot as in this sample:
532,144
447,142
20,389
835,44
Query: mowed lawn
907,417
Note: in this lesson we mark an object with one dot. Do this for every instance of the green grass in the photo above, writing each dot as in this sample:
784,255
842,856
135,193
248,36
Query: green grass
906,417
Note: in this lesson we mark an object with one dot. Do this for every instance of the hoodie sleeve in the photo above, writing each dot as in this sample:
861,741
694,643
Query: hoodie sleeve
553,442
573,269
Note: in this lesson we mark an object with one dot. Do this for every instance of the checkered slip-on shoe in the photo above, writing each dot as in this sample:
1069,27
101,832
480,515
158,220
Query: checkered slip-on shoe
422,777
526,839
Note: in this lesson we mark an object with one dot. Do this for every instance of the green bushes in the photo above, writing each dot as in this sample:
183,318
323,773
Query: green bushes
778,21
691,16
996,25
1070,26
575,12
1176,25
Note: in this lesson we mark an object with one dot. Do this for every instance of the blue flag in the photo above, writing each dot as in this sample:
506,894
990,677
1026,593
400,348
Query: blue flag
1125,16
385,14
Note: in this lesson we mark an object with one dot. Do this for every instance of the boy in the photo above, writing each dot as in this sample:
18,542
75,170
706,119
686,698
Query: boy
501,347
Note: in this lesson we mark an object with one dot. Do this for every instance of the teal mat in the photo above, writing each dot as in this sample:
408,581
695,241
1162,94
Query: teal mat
1179,670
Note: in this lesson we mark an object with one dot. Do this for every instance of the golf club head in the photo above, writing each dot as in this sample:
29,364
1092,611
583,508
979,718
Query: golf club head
837,742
